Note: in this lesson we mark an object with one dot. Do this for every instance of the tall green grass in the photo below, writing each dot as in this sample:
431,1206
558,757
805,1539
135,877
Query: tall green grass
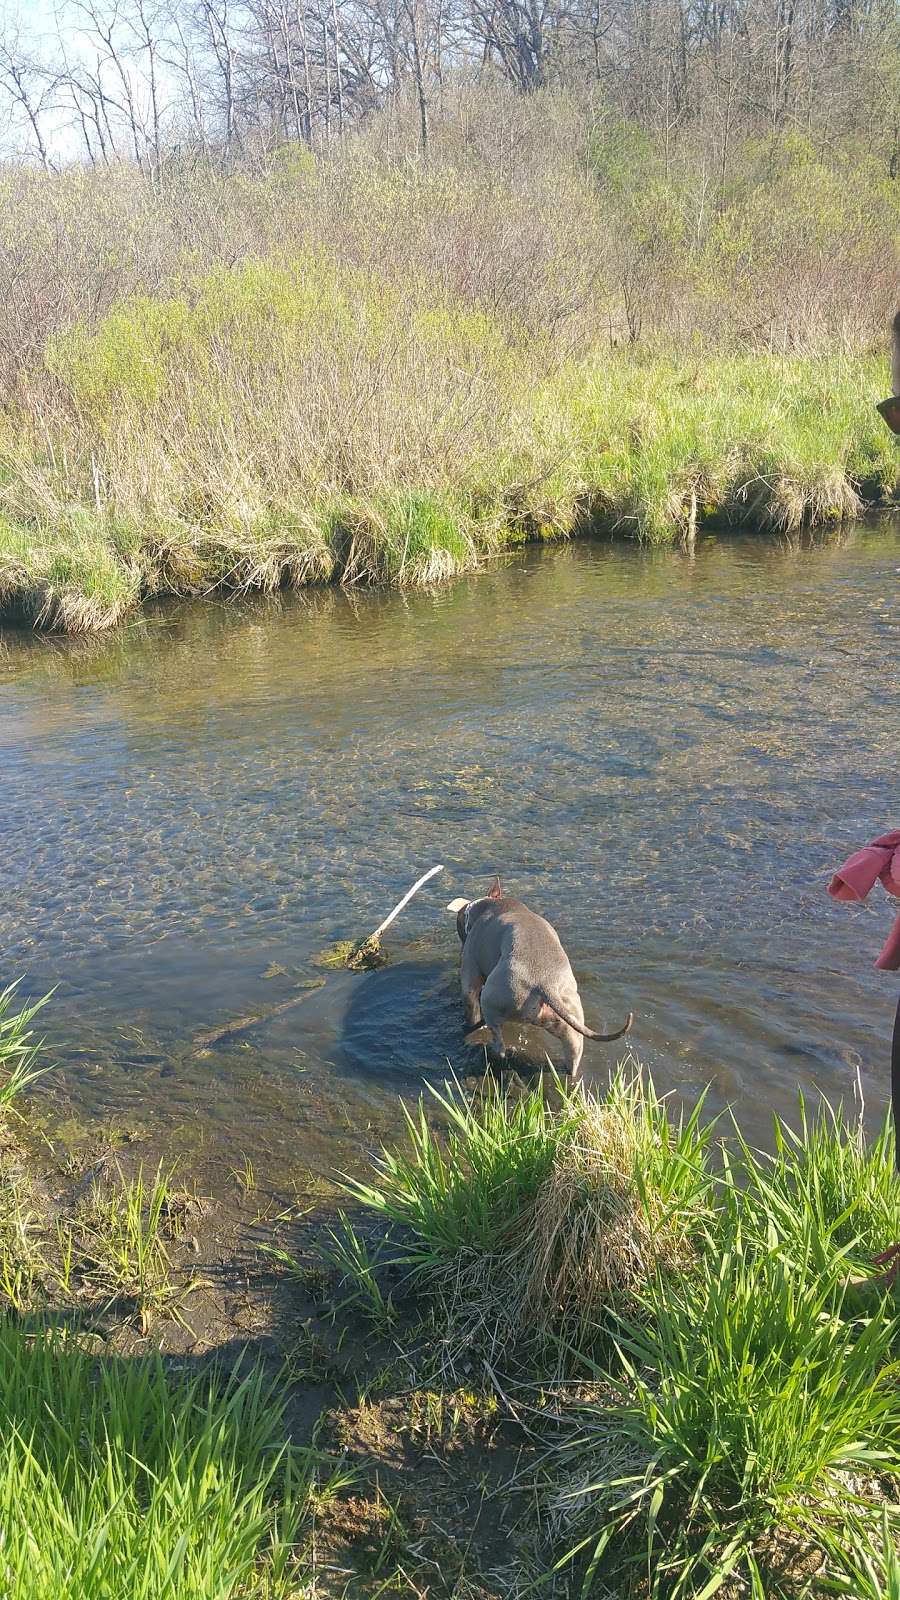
825,1190
112,1246
528,1221
120,1245
864,1558
738,1430
19,1050
750,1403
121,1479
464,1190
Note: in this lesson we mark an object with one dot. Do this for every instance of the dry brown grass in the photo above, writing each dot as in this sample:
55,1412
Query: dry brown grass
617,1205
595,1232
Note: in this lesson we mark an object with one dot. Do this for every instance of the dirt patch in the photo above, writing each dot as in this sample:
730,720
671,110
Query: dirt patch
420,1487
434,1508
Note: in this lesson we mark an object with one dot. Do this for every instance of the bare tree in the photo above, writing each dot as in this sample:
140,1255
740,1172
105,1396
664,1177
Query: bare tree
179,55
29,84
238,76
217,23
101,22
146,22
412,10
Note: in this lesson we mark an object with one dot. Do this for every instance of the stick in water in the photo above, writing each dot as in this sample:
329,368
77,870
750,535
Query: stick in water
368,952
404,902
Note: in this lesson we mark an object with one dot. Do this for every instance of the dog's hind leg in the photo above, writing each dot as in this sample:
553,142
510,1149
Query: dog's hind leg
540,1015
499,1048
572,1042
574,1045
499,1004
471,983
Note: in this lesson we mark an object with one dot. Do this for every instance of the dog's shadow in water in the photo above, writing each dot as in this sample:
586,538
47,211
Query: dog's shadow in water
404,1022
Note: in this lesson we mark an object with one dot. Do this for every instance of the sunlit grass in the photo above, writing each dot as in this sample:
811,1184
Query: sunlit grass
111,1249
465,1189
122,1251
292,422
120,1478
738,1423
749,1401
864,1553
113,1246
530,1223
826,1190
19,1050
24,1259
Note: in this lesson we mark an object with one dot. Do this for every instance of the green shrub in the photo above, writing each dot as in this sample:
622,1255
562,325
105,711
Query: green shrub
466,1191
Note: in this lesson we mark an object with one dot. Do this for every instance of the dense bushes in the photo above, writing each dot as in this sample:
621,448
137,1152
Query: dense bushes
361,366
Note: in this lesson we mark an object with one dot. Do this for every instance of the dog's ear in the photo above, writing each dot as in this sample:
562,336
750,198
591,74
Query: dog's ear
496,891
457,905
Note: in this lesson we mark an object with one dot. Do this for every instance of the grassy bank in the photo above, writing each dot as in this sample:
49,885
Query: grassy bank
141,1474
644,1362
730,1416
358,366
285,427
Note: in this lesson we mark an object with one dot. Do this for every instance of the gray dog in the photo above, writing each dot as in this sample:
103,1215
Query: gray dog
514,969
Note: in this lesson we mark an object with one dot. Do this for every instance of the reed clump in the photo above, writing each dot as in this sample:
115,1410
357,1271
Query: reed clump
534,1222
729,1421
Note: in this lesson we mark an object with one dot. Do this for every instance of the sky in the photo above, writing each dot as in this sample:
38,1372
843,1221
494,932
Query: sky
36,14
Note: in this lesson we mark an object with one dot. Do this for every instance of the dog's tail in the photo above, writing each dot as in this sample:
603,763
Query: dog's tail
586,1033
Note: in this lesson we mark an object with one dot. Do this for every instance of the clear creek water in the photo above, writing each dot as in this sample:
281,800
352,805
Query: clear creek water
664,753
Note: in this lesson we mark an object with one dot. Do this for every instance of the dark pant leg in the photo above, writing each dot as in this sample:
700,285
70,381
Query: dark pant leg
895,1085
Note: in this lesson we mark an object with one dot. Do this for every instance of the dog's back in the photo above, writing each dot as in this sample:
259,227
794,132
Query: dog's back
505,929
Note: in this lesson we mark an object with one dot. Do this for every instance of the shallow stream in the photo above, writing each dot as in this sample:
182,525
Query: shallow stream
664,753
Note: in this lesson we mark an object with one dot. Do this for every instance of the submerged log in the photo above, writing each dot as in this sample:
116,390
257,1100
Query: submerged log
204,1041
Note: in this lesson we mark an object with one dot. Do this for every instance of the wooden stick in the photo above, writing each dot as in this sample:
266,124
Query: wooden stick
401,903
242,1024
